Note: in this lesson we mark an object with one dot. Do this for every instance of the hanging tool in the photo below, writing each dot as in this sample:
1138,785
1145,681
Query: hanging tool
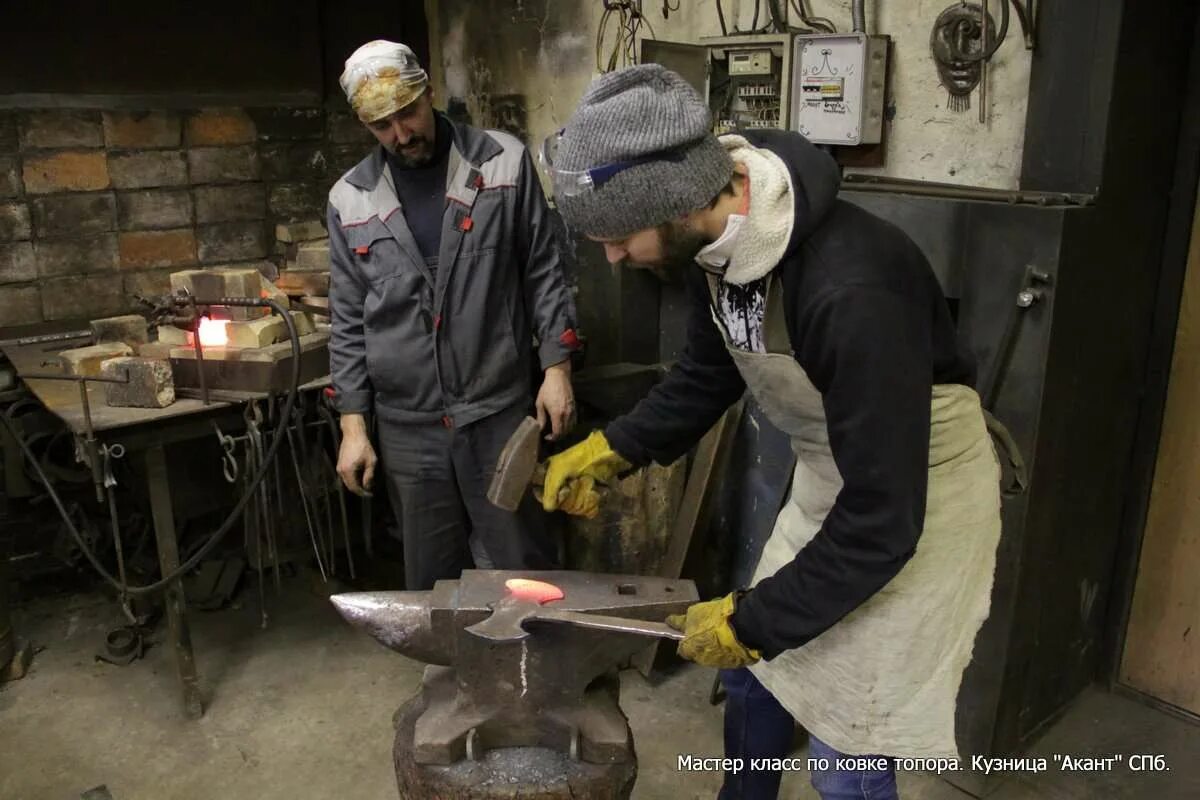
324,409
109,453
308,517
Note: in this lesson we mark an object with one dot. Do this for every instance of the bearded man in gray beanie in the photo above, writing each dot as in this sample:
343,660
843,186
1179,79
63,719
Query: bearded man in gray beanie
868,595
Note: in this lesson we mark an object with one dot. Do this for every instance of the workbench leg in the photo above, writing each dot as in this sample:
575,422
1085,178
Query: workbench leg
159,485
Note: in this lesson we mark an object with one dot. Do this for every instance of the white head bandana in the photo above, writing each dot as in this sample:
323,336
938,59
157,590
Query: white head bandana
382,77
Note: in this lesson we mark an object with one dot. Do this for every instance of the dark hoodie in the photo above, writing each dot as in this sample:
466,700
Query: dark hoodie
871,328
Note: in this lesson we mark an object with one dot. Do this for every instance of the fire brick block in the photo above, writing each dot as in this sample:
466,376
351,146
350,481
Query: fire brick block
150,384
88,360
256,332
209,284
129,328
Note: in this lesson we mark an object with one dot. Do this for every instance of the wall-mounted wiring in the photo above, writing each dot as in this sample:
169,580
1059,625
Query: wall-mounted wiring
628,18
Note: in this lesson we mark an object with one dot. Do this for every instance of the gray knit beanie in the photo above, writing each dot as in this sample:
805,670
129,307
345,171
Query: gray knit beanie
633,113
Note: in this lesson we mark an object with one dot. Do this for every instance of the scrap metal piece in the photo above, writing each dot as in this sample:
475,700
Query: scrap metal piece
546,689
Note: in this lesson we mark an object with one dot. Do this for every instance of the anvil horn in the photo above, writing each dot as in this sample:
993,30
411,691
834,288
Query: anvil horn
399,620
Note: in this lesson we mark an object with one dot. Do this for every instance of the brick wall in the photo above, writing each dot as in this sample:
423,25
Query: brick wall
96,206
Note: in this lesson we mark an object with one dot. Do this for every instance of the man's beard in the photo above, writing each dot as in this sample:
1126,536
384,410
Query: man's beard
679,248
419,153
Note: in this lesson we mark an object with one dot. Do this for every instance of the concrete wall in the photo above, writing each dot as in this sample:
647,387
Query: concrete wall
96,206
523,64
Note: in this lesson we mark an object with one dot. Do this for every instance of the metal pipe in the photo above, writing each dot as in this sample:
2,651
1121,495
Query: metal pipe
871,183
983,68
46,337
199,355
860,16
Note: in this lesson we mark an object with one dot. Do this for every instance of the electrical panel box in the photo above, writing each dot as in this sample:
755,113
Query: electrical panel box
747,79
839,80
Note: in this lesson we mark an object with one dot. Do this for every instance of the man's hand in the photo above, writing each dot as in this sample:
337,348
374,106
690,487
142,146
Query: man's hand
556,400
572,474
709,639
356,455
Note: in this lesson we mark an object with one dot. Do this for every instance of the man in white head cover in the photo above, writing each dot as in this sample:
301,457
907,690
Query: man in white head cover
444,272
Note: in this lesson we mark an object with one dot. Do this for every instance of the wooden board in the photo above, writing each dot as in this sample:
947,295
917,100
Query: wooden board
1162,645
695,508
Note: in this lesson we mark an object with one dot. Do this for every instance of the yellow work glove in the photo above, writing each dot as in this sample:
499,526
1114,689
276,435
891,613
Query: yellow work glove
571,476
709,639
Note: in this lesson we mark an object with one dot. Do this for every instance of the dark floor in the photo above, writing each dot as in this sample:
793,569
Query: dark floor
302,709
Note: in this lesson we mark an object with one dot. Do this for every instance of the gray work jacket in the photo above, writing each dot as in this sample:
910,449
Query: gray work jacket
456,347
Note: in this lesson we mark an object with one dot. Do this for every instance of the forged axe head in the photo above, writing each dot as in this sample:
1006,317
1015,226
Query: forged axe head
516,465
506,624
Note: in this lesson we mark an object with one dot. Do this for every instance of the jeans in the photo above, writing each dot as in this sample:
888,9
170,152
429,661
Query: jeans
757,726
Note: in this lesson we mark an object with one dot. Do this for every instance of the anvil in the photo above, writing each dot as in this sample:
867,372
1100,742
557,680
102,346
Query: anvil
555,688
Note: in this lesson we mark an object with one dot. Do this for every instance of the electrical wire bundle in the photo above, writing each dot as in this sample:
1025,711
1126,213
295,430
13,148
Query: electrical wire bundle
629,20
776,19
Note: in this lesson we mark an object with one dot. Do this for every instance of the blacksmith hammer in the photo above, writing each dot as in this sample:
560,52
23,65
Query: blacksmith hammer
517,466
524,603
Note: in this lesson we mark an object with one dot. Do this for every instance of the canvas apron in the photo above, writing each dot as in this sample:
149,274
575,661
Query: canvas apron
884,679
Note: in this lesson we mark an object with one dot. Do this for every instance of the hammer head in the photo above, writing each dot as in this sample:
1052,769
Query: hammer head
515,468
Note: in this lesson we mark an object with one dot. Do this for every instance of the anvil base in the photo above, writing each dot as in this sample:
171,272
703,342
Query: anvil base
527,773
593,730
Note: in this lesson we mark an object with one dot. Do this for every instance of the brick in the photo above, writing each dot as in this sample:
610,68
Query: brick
290,202
20,305
301,231
295,282
154,208
68,171
75,256
347,129
8,132
142,249
152,283
150,383
131,329
256,332
223,164
88,360
229,203
288,123
293,161
232,241
313,300
136,130
207,284
14,222
268,290
148,169
10,179
217,126
17,263
218,282
174,337
83,297
312,256
61,128
74,214
303,322
160,351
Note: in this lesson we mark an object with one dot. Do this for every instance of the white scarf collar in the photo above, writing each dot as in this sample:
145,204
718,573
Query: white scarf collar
753,243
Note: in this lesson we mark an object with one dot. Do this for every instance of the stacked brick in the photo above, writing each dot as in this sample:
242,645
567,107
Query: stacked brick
97,206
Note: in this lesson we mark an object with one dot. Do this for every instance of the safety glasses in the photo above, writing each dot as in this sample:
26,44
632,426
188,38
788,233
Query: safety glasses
572,183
